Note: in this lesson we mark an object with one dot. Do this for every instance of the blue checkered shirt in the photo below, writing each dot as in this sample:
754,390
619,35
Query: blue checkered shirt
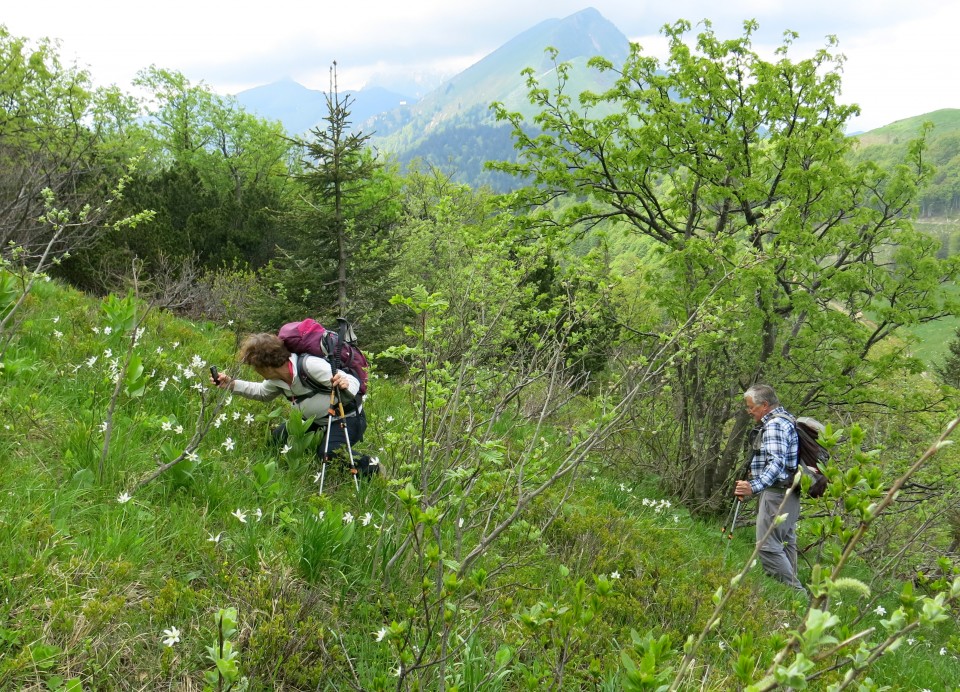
776,459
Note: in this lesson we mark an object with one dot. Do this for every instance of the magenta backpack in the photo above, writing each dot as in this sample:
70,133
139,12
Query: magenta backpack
309,336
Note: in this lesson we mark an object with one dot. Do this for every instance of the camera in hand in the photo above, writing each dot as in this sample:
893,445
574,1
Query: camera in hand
215,374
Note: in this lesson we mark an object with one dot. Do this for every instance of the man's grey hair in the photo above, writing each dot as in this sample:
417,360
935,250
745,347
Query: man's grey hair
762,394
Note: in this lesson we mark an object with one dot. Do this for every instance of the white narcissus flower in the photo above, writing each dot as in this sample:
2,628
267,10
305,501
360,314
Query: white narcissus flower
880,610
367,518
236,415
166,425
171,636
228,444
241,516
286,448
615,575
178,430
248,419
123,498
215,539
348,518
380,634
108,330
317,476
258,514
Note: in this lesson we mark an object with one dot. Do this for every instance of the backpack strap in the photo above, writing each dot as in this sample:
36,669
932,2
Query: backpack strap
307,379
304,374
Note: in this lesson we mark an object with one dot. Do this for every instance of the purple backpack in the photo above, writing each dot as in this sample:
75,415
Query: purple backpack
309,336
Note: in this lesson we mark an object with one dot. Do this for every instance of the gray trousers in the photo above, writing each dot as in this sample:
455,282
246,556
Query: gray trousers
778,553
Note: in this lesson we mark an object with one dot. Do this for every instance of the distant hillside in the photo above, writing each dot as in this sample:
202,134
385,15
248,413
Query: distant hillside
941,198
946,120
300,108
452,127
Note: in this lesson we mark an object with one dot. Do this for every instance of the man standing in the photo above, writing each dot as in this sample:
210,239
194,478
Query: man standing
772,467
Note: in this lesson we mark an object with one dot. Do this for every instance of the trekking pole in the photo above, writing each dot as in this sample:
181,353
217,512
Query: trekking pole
346,435
326,448
335,398
736,512
731,519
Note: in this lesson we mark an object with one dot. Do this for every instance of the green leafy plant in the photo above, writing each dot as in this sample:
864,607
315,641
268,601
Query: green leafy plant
325,540
226,673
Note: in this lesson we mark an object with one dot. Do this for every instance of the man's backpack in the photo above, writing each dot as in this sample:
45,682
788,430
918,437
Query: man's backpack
311,337
811,454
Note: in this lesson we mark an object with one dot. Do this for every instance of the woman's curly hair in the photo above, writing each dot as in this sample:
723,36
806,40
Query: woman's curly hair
263,350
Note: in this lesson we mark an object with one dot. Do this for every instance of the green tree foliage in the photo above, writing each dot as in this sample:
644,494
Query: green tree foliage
55,133
780,260
949,371
342,225
940,196
215,175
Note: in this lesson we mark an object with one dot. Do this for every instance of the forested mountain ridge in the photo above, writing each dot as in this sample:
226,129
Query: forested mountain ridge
941,197
453,126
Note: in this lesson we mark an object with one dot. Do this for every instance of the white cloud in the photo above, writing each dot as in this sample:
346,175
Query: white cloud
900,55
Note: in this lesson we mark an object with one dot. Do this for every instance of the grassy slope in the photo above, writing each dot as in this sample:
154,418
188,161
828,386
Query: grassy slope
931,338
89,584
899,131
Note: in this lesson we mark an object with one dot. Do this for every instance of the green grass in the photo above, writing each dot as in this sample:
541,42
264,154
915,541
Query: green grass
932,339
88,584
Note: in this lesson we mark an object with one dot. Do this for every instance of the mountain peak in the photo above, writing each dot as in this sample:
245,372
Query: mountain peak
496,77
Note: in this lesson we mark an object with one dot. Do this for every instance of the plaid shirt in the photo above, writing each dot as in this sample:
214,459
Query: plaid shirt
775,456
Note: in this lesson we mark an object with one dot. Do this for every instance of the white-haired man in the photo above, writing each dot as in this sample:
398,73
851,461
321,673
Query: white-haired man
773,465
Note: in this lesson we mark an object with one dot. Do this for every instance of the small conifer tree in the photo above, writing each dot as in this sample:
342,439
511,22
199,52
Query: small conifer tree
950,370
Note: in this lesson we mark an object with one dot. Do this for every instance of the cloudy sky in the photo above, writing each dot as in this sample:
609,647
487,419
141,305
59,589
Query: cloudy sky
902,55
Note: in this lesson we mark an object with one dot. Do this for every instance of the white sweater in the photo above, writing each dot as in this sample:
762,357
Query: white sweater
316,405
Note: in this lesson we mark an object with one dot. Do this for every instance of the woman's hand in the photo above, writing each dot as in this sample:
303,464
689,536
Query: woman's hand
339,380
